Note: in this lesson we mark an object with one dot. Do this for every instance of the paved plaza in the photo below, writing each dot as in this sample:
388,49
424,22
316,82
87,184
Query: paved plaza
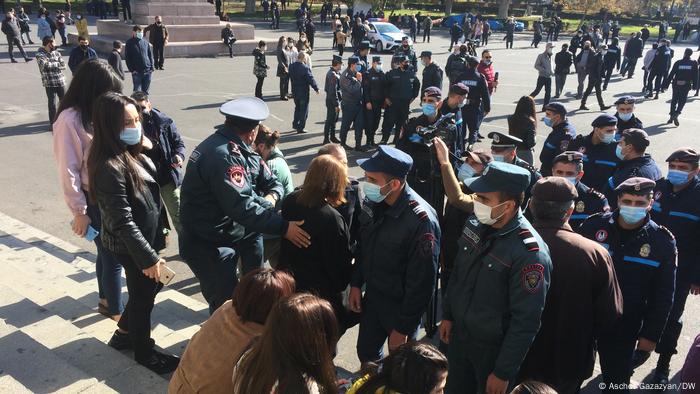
35,235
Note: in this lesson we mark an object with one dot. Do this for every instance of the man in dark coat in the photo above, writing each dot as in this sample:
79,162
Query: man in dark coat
302,79
158,36
584,300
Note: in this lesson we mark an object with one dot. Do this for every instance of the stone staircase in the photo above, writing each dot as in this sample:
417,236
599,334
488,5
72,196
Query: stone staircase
51,337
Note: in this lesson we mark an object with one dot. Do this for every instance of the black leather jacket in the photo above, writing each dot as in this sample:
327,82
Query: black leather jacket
132,220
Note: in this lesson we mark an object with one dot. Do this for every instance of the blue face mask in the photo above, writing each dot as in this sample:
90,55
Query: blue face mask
571,179
358,68
498,157
131,135
677,177
632,215
618,153
465,171
625,117
547,121
373,192
139,35
608,138
429,110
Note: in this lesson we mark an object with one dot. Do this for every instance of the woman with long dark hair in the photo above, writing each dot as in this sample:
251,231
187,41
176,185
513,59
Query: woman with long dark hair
295,351
123,184
324,267
72,136
523,124
413,368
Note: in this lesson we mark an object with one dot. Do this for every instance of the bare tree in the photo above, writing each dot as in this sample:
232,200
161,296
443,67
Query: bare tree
503,6
448,7
249,7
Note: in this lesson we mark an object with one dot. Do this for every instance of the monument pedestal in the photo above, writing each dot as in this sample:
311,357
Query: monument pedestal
193,29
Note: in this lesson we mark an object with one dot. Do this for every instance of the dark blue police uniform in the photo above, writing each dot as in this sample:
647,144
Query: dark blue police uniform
479,100
684,77
645,264
223,211
402,87
599,160
588,202
557,142
643,166
397,259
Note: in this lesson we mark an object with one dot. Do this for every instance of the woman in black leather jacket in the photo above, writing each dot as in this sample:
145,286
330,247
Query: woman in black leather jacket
133,218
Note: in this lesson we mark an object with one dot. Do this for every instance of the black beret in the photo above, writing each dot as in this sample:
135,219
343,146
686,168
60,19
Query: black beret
569,156
432,91
636,185
459,88
554,188
353,60
377,59
637,138
556,108
686,155
337,59
426,54
625,100
604,120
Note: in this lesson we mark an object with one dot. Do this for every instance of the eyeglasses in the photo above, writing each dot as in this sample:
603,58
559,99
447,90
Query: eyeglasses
487,57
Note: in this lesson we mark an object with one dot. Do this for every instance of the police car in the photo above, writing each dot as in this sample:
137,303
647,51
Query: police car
385,36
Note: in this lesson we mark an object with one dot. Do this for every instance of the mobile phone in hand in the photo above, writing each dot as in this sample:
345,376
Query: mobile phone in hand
166,275
91,233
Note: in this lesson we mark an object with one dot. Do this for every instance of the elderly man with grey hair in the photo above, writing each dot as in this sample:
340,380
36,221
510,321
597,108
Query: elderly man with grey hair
584,300
301,78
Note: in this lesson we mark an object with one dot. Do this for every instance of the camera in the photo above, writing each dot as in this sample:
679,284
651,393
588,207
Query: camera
443,128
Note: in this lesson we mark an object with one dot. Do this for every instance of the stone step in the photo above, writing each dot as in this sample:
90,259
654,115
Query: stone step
166,8
115,371
145,20
180,32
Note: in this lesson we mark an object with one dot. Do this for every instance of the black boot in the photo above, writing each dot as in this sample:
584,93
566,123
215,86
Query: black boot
639,358
160,363
663,369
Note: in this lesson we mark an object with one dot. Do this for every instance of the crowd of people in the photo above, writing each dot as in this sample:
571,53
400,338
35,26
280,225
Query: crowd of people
537,268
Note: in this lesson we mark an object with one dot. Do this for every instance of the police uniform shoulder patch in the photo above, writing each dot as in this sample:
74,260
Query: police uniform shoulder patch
237,176
418,210
601,235
426,244
234,148
563,145
529,240
596,193
532,277
580,206
194,156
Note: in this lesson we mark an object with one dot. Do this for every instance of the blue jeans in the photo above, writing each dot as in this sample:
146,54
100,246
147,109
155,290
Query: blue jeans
301,112
107,268
141,80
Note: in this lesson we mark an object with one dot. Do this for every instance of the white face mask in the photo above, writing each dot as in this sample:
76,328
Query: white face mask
483,213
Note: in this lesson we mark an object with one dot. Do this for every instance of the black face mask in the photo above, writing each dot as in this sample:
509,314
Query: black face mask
405,45
83,46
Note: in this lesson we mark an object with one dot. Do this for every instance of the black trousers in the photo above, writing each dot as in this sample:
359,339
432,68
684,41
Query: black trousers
10,47
654,81
54,94
593,84
136,318
258,87
678,99
126,9
284,86
373,116
331,120
607,73
394,118
341,49
509,41
669,339
545,82
426,33
615,354
158,50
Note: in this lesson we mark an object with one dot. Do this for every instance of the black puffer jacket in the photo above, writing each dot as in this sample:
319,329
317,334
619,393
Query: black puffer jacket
132,220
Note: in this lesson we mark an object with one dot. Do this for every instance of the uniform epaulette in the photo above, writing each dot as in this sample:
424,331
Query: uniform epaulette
667,231
526,166
529,240
596,214
596,193
418,210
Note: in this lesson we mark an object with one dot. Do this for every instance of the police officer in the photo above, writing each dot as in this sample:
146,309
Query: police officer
455,64
375,94
588,201
676,207
432,73
584,301
421,178
402,87
397,256
558,139
351,91
634,162
644,254
362,52
658,69
454,102
595,78
406,50
684,76
503,148
333,98
478,101
598,148
626,119
611,60
227,201
498,287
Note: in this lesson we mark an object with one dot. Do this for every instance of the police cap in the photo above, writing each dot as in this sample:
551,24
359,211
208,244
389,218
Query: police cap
472,60
364,44
637,138
246,110
388,160
685,155
400,58
500,177
459,88
353,60
604,120
554,188
337,59
426,54
636,185
501,140
376,59
557,108
432,91
625,100
569,156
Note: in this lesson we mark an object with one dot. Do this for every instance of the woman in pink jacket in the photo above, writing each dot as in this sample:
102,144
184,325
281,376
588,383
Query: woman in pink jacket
72,135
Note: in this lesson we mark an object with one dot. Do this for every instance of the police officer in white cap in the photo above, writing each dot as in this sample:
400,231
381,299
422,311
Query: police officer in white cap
227,202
